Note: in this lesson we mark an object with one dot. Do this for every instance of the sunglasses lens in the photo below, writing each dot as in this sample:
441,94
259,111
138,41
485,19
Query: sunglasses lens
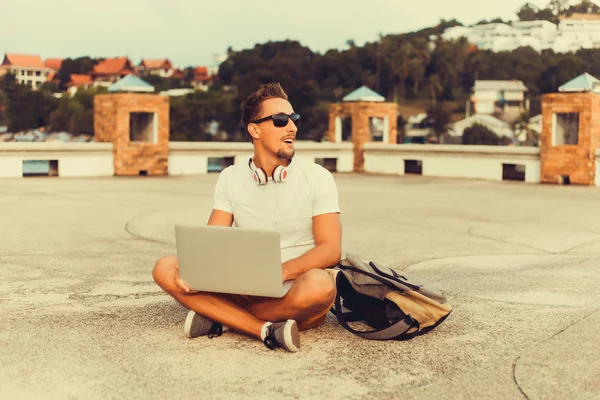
280,120
296,119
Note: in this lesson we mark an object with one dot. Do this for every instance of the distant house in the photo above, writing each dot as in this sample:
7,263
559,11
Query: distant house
202,79
53,63
162,68
111,70
28,69
79,81
505,100
418,128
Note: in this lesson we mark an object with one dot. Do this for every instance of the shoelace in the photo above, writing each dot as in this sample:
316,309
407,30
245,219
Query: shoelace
270,340
215,330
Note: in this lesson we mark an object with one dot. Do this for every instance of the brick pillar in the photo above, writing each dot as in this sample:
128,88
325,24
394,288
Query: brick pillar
115,113
360,134
575,160
332,117
393,126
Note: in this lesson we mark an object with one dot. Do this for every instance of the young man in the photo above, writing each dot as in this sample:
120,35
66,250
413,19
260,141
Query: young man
274,191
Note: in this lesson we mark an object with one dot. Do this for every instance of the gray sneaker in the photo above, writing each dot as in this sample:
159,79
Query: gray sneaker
283,334
197,325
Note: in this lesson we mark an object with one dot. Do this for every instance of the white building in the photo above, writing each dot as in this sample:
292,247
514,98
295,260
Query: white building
499,127
580,31
502,99
495,37
540,33
29,69
577,34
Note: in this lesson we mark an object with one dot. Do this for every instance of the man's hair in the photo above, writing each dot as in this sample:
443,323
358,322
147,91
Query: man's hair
251,106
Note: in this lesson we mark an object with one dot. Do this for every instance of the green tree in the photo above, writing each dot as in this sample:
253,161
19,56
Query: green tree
440,117
435,88
191,114
481,135
4,120
559,69
80,65
59,119
521,128
584,7
528,12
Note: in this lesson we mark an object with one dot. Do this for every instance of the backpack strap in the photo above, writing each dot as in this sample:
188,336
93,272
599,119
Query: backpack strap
389,332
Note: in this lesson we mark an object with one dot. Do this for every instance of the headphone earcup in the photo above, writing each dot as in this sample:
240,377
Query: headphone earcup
260,176
280,173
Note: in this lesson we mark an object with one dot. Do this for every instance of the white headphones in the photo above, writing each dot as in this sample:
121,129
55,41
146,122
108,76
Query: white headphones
280,173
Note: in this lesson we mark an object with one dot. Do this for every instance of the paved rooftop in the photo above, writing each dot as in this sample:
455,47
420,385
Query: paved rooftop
82,318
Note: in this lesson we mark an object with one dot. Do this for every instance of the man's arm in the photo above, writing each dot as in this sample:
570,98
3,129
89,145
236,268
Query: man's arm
327,231
220,218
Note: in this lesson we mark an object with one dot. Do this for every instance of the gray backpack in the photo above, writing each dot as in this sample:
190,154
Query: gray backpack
396,304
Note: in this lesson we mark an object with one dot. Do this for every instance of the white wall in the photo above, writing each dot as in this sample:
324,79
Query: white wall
475,162
75,159
22,75
191,158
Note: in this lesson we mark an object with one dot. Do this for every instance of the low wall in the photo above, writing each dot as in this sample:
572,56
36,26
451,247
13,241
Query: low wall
192,158
74,159
475,162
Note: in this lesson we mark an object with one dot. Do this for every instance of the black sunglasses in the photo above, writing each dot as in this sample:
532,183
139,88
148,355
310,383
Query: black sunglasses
280,120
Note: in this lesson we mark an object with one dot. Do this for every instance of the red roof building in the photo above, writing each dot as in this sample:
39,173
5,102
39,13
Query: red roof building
112,69
201,77
53,63
162,68
28,69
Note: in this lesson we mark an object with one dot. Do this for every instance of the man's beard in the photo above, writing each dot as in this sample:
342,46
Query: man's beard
286,155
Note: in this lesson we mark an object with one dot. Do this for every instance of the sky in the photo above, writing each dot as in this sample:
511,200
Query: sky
193,32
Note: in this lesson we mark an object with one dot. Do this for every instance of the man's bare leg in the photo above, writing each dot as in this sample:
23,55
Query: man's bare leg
216,307
312,293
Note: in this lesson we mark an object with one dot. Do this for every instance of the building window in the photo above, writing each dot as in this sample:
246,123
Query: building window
29,73
565,129
143,127
38,73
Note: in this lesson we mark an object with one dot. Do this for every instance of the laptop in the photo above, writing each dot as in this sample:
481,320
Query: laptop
230,260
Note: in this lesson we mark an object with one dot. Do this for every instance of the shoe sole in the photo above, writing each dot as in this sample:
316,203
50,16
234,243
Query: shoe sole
188,324
291,336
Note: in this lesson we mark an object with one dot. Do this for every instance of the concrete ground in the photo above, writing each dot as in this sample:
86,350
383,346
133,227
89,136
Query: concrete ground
80,316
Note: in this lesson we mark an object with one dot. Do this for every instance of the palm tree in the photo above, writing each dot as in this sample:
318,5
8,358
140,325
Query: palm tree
522,126
434,87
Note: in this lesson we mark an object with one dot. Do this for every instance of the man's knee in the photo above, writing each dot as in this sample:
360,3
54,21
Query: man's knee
164,272
320,288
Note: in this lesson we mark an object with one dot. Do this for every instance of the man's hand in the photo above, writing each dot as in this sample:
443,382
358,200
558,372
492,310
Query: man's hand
183,288
285,272
327,231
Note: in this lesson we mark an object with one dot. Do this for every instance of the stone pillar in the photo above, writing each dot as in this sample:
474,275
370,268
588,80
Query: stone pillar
334,111
571,157
360,134
338,129
393,125
138,126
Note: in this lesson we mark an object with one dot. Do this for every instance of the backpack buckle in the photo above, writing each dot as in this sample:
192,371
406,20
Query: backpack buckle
413,322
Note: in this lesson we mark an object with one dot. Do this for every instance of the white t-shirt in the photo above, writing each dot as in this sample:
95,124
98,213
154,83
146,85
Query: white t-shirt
287,207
